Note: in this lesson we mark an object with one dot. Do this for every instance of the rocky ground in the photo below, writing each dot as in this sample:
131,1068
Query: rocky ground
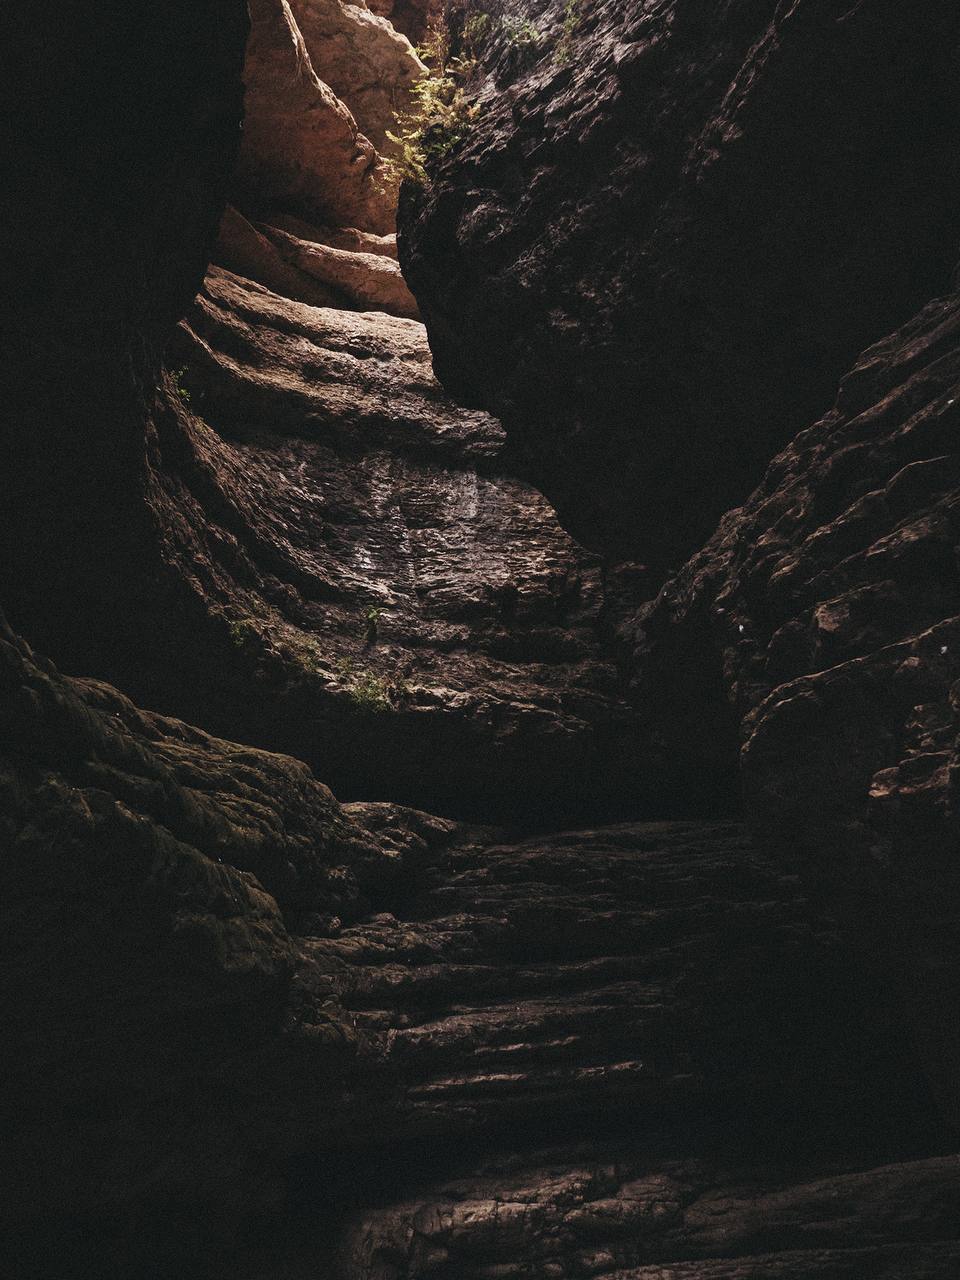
600,1018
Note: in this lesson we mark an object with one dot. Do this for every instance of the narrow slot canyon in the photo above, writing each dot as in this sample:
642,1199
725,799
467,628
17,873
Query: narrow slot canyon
479,640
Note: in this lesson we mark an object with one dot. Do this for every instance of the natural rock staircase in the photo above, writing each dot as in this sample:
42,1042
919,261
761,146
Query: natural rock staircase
619,1053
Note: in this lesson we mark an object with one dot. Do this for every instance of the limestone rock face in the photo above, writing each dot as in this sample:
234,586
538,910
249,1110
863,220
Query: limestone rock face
829,603
301,144
250,1031
670,231
414,18
589,1034
609,1212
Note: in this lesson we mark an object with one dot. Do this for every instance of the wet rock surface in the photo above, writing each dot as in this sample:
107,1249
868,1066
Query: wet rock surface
672,228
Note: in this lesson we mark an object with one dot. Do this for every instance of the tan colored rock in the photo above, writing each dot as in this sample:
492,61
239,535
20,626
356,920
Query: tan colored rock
370,66
368,281
337,237
311,271
301,145
242,248
413,17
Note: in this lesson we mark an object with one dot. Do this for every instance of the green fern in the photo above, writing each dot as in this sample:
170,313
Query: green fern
572,17
441,115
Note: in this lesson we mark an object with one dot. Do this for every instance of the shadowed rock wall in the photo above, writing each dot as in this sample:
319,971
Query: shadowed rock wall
827,607
671,229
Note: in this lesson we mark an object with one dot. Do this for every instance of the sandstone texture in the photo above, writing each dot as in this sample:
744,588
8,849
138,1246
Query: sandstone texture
415,18
314,549
307,267
586,1029
634,1219
147,971
369,65
301,144
672,228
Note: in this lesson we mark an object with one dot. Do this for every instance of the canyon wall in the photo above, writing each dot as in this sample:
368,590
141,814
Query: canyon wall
672,228
828,608
251,1030
667,234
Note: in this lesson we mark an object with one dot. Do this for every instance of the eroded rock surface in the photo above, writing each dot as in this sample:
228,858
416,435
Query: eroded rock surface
415,18
251,1031
672,228
322,267
369,64
302,147
148,974
591,1033
632,1218
380,597
830,603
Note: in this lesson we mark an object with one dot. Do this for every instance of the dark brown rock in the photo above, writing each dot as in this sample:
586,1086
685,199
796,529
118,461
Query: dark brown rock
826,607
415,18
250,1031
625,1217
151,1027
670,231
615,1050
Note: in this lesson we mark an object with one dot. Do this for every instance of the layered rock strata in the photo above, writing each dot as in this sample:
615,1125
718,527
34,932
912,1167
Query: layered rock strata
250,1031
379,596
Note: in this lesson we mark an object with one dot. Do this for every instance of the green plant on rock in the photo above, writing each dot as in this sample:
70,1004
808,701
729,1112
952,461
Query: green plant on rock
371,619
176,377
441,116
476,28
370,693
242,633
521,34
570,24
